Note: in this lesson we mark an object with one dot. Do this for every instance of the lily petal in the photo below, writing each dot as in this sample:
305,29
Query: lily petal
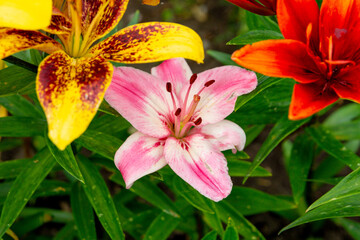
70,92
254,7
14,40
293,20
224,135
141,99
200,164
104,15
151,2
151,42
348,85
308,99
174,70
27,15
60,23
138,156
218,100
279,58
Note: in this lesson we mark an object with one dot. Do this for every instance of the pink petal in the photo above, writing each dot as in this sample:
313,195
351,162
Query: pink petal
138,156
174,70
200,164
224,135
218,100
141,99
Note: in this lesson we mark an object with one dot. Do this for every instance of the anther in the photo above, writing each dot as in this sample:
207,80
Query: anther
193,78
178,111
209,83
198,121
168,87
196,98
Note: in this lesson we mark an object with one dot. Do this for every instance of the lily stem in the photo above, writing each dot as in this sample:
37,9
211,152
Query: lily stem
21,63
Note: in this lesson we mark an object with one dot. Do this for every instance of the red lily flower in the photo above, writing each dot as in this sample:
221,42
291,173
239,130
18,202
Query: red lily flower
261,7
321,52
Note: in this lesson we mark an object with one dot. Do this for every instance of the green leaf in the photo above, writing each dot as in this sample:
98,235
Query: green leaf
238,168
100,198
135,18
151,193
192,196
20,107
282,129
106,108
346,131
243,226
264,82
139,223
230,232
299,165
223,58
210,236
254,201
344,114
29,224
258,22
101,143
352,227
333,147
66,233
83,213
162,227
214,220
12,168
66,159
16,80
109,124
21,126
255,36
24,186
10,143
341,201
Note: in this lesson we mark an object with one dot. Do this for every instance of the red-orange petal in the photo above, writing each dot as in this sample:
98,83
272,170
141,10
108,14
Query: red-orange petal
255,7
70,92
295,15
106,20
279,58
308,99
60,23
15,40
347,84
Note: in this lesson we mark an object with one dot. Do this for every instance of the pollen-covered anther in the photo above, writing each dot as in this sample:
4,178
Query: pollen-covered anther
168,87
209,83
198,121
193,78
178,111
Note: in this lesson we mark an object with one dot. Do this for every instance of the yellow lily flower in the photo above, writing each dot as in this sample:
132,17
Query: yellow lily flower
72,80
151,2
29,15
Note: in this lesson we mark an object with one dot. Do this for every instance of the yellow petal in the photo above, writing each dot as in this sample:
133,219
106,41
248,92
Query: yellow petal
70,92
14,40
28,15
151,2
60,23
151,42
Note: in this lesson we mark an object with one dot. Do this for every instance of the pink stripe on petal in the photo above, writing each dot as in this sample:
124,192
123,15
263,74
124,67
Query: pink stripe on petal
141,99
138,156
174,70
200,164
224,134
218,100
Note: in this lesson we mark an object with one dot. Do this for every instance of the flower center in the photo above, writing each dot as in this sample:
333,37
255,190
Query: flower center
185,117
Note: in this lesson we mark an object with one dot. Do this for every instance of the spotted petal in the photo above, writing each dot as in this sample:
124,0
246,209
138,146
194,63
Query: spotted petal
151,42
29,15
200,164
70,92
60,23
138,156
14,40
104,15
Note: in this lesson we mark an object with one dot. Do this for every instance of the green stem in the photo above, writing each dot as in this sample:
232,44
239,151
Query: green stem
21,63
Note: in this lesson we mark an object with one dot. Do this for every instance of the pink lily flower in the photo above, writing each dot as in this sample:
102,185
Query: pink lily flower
180,121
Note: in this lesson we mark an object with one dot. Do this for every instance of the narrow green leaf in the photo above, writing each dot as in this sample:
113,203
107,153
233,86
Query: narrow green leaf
100,198
223,58
254,201
332,146
135,18
68,232
109,124
346,131
21,126
14,80
258,22
83,213
192,196
162,227
214,220
230,232
10,143
264,82
24,186
344,114
106,108
57,216
101,143
352,227
238,168
252,133
66,159
243,226
139,223
210,236
299,165
151,193
282,129
12,168
20,107
31,223
255,36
